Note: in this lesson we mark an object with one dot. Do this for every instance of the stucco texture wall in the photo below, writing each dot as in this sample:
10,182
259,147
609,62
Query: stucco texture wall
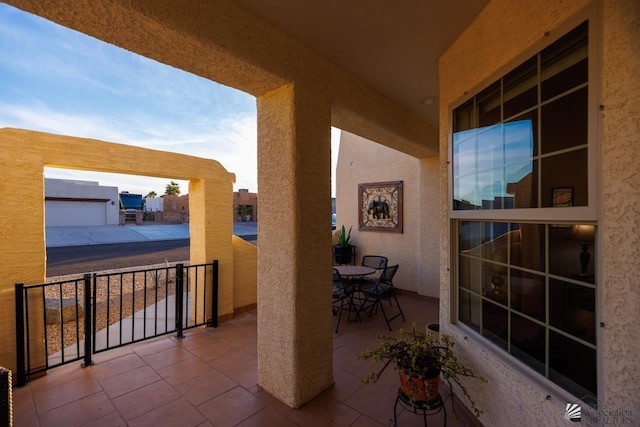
245,274
506,32
416,249
24,154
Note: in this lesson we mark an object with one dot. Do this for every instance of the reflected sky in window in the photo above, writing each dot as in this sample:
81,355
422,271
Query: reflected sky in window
486,160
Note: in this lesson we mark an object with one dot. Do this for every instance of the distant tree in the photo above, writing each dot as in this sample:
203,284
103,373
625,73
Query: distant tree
242,211
151,195
172,189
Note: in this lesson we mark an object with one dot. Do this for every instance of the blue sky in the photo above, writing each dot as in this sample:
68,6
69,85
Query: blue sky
56,80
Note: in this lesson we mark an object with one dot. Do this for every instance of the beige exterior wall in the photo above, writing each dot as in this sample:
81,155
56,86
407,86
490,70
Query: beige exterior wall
416,249
505,33
23,156
245,274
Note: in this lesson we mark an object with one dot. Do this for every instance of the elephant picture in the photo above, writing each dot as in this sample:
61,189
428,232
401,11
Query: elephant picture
380,206
379,209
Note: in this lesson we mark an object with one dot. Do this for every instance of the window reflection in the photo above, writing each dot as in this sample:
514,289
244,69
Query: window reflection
491,164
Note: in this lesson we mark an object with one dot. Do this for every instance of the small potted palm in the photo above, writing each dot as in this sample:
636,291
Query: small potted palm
421,359
343,249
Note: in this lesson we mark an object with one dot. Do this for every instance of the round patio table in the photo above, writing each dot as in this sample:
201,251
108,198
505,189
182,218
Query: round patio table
354,270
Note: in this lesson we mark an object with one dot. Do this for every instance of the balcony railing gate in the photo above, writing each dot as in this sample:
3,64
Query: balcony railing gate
117,309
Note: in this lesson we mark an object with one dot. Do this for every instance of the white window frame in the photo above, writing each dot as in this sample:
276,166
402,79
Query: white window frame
577,214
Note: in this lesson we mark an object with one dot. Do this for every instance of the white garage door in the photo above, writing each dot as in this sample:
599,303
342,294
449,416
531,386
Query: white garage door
65,213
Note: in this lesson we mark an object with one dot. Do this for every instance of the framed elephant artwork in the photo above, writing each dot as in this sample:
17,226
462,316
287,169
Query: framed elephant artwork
380,206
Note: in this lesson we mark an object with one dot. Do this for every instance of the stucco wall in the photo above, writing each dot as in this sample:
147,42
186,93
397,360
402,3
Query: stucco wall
245,274
504,33
416,249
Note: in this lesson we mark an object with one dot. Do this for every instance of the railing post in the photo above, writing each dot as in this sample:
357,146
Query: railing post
88,329
214,295
179,299
21,379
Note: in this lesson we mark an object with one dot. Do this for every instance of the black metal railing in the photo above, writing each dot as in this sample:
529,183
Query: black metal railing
117,309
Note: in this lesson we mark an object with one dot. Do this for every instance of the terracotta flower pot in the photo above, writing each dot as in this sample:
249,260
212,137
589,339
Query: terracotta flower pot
420,390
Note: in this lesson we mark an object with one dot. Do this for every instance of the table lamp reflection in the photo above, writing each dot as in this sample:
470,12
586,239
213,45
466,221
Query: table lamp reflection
584,234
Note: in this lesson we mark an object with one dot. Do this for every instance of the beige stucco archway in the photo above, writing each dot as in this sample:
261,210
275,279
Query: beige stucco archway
23,156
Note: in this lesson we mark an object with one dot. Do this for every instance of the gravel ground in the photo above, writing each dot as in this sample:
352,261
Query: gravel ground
110,307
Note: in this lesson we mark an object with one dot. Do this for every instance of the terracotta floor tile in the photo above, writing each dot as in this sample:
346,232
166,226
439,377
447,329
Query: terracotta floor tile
117,366
231,408
145,399
112,420
148,348
179,413
216,349
54,397
195,338
345,385
268,417
59,376
344,358
374,401
323,411
78,412
24,411
247,378
274,403
365,421
234,362
128,381
205,387
184,371
167,357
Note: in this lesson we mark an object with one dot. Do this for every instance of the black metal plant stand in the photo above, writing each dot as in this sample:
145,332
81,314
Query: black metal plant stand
432,407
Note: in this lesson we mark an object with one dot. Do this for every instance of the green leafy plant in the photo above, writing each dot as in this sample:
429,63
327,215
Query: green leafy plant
422,356
344,239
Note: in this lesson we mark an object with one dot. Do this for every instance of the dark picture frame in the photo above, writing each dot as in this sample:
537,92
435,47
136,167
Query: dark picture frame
380,206
562,197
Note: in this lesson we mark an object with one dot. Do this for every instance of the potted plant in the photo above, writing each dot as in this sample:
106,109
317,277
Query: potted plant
421,359
343,249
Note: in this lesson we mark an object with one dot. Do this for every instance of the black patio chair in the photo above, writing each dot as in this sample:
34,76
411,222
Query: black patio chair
374,261
383,290
342,297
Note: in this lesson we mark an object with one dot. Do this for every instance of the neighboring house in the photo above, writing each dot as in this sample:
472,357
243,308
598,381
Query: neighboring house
73,203
244,197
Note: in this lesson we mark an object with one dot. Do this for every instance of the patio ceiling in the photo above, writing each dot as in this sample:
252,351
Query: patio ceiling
392,46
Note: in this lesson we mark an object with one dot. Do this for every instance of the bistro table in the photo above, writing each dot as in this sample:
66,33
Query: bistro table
354,270
349,272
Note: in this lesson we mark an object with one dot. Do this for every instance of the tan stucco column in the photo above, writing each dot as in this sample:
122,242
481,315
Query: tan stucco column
210,230
295,359
22,246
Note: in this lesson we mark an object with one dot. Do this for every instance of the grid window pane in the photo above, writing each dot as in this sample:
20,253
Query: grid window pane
572,365
528,294
521,88
528,342
566,171
510,293
470,312
564,122
572,309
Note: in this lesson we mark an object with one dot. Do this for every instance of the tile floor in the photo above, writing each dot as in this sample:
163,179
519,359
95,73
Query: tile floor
209,378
